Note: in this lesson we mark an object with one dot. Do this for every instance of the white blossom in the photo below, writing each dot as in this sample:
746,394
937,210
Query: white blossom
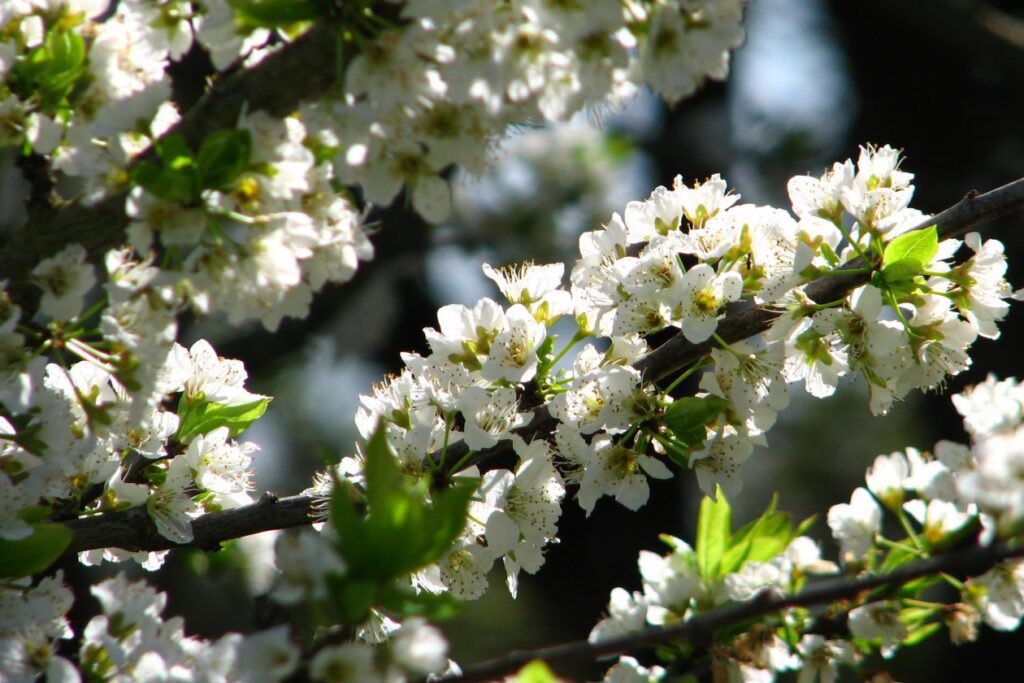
64,278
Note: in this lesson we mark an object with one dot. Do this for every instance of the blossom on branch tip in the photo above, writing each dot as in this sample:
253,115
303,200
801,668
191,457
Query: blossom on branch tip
536,287
513,352
64,279
717,463
855,526
490,417
879,620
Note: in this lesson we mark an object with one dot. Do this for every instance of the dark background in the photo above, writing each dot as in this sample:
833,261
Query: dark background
940,79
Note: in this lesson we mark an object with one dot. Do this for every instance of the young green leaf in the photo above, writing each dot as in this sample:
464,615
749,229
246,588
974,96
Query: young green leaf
33,554
351,598
916,247
405,602
278,13
174,151
203,417
401,531
686,417
714,527
222,157
535,672
66,51
759,540
922,633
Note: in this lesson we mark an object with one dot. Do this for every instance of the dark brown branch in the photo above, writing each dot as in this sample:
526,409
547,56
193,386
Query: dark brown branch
134,530
970,562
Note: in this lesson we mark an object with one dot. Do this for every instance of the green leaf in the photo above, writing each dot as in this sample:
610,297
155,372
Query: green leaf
771,536
686,417
383,478
35,513
714,526
899,276
65,50
896,558
445,520
173,186
535,672
277,13
401,532
546,356
31,555
922,633
916,247
805,525
204,417
222,157
50,71
348,522
174,151
404,602
759,540
351,598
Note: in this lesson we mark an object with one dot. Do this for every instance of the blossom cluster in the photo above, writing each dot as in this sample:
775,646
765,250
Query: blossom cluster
75,437
955,495
957,491
132,640
450,81
678,260
101,410
676,588
254,221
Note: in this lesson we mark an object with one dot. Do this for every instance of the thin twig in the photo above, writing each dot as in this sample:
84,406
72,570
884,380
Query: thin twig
970,562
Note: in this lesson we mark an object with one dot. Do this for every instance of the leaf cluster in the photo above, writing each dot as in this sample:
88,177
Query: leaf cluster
180,175
397,528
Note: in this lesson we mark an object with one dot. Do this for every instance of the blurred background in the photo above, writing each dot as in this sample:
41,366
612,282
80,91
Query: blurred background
941,79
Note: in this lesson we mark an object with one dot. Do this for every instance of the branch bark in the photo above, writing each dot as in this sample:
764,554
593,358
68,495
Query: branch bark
970,562
134,530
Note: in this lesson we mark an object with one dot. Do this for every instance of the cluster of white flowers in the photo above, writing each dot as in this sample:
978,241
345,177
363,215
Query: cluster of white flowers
257,236
943,499
675,589
677,260
75,434
131,640
262,246
101,410
250,222
954,492
954,496
449,82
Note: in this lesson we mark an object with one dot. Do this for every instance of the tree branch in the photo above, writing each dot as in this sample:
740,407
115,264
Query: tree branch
970,562
134,530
